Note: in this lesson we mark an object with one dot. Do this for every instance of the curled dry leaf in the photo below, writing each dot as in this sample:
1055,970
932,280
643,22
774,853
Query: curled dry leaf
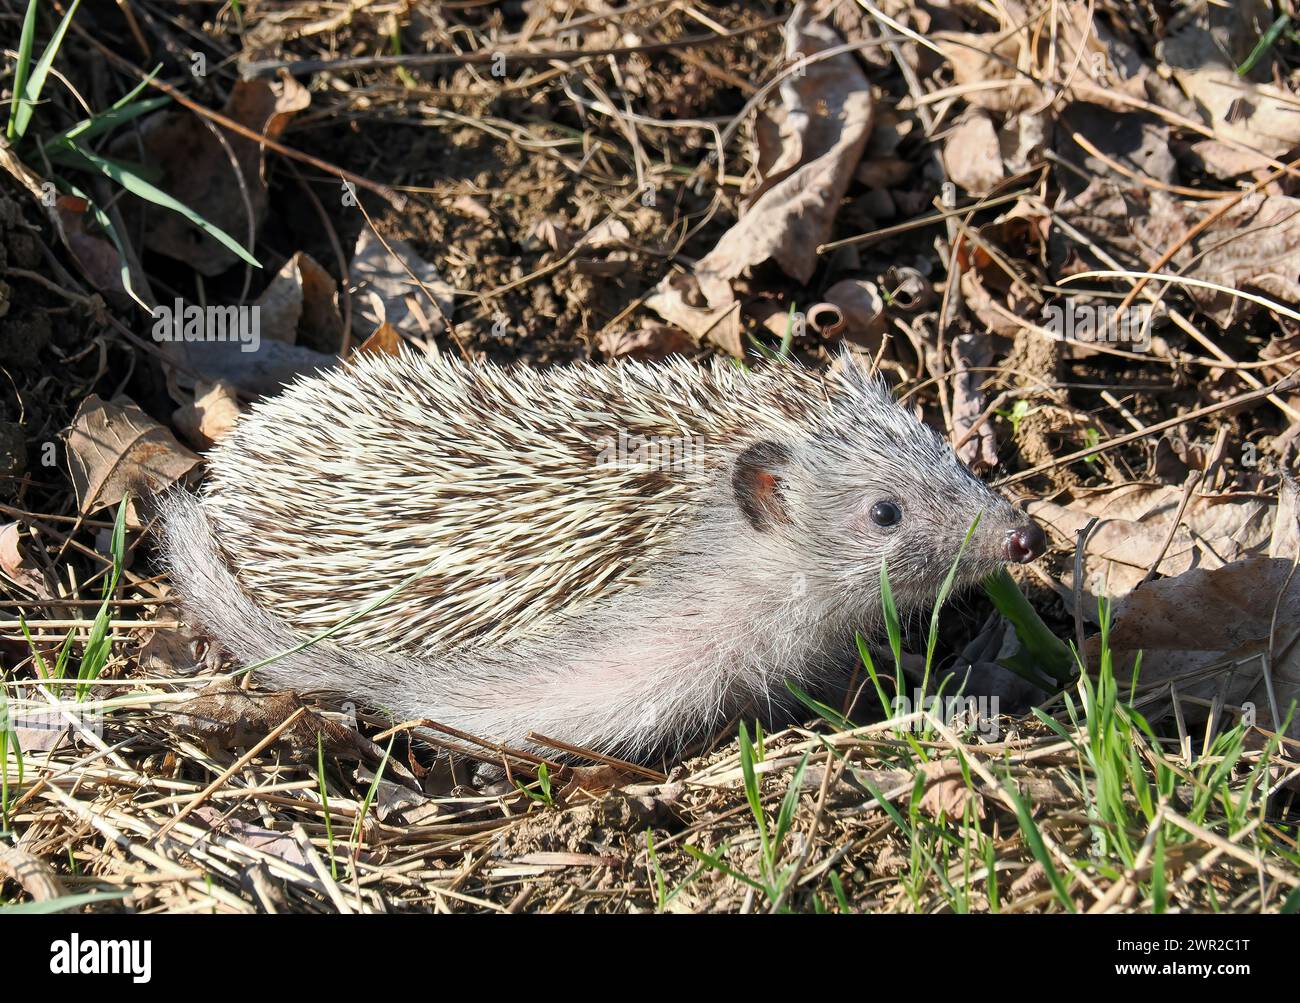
277,844
100,261
806,161
195,159
949,797
1224,161
384,291
385,341
1255,245
1023,138
114,447
180,651
1135,140
971,354
863,309
1285,540
212,414
678,300
391,799
974,60
301,304
17,567
592,780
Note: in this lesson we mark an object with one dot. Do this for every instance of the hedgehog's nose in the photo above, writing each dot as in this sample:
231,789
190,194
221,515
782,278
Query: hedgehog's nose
1025,543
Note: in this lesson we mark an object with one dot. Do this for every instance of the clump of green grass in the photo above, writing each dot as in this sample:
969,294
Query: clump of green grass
775,870
99,646
543,794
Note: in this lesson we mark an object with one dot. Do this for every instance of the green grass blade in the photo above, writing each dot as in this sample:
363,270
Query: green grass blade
325,802
1044,650
1266,42
8,740
827,713
62,904
89,128
1039,849
21,69
932,639
893,626
751,788
869,664
110,231
789,804
138,186
98,646
33,85
717,864
359,826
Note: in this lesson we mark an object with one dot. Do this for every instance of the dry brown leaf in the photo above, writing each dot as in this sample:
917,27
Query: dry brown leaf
1135,522
301,304
100,262
277,844
1227,162
677,299
1200,619
230,718
1136,140
806,161
650,341
975,60
210,416
114,447
948,795
592,780
972,155
972,354
1254,245
1265,118
391,799
385,341
180,651
863,308
1285,539
17,566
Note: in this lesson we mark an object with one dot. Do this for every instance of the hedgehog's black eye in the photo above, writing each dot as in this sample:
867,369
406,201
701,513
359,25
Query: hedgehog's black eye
886,513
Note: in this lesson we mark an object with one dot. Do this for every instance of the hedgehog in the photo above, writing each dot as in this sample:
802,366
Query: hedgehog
615,556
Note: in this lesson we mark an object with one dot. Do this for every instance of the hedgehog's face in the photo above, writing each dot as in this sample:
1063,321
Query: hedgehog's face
893,494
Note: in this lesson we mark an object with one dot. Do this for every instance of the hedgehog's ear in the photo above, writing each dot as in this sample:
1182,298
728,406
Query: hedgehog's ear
757,481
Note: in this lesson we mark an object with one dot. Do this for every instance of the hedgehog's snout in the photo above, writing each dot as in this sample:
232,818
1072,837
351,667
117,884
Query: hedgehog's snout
1024,543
